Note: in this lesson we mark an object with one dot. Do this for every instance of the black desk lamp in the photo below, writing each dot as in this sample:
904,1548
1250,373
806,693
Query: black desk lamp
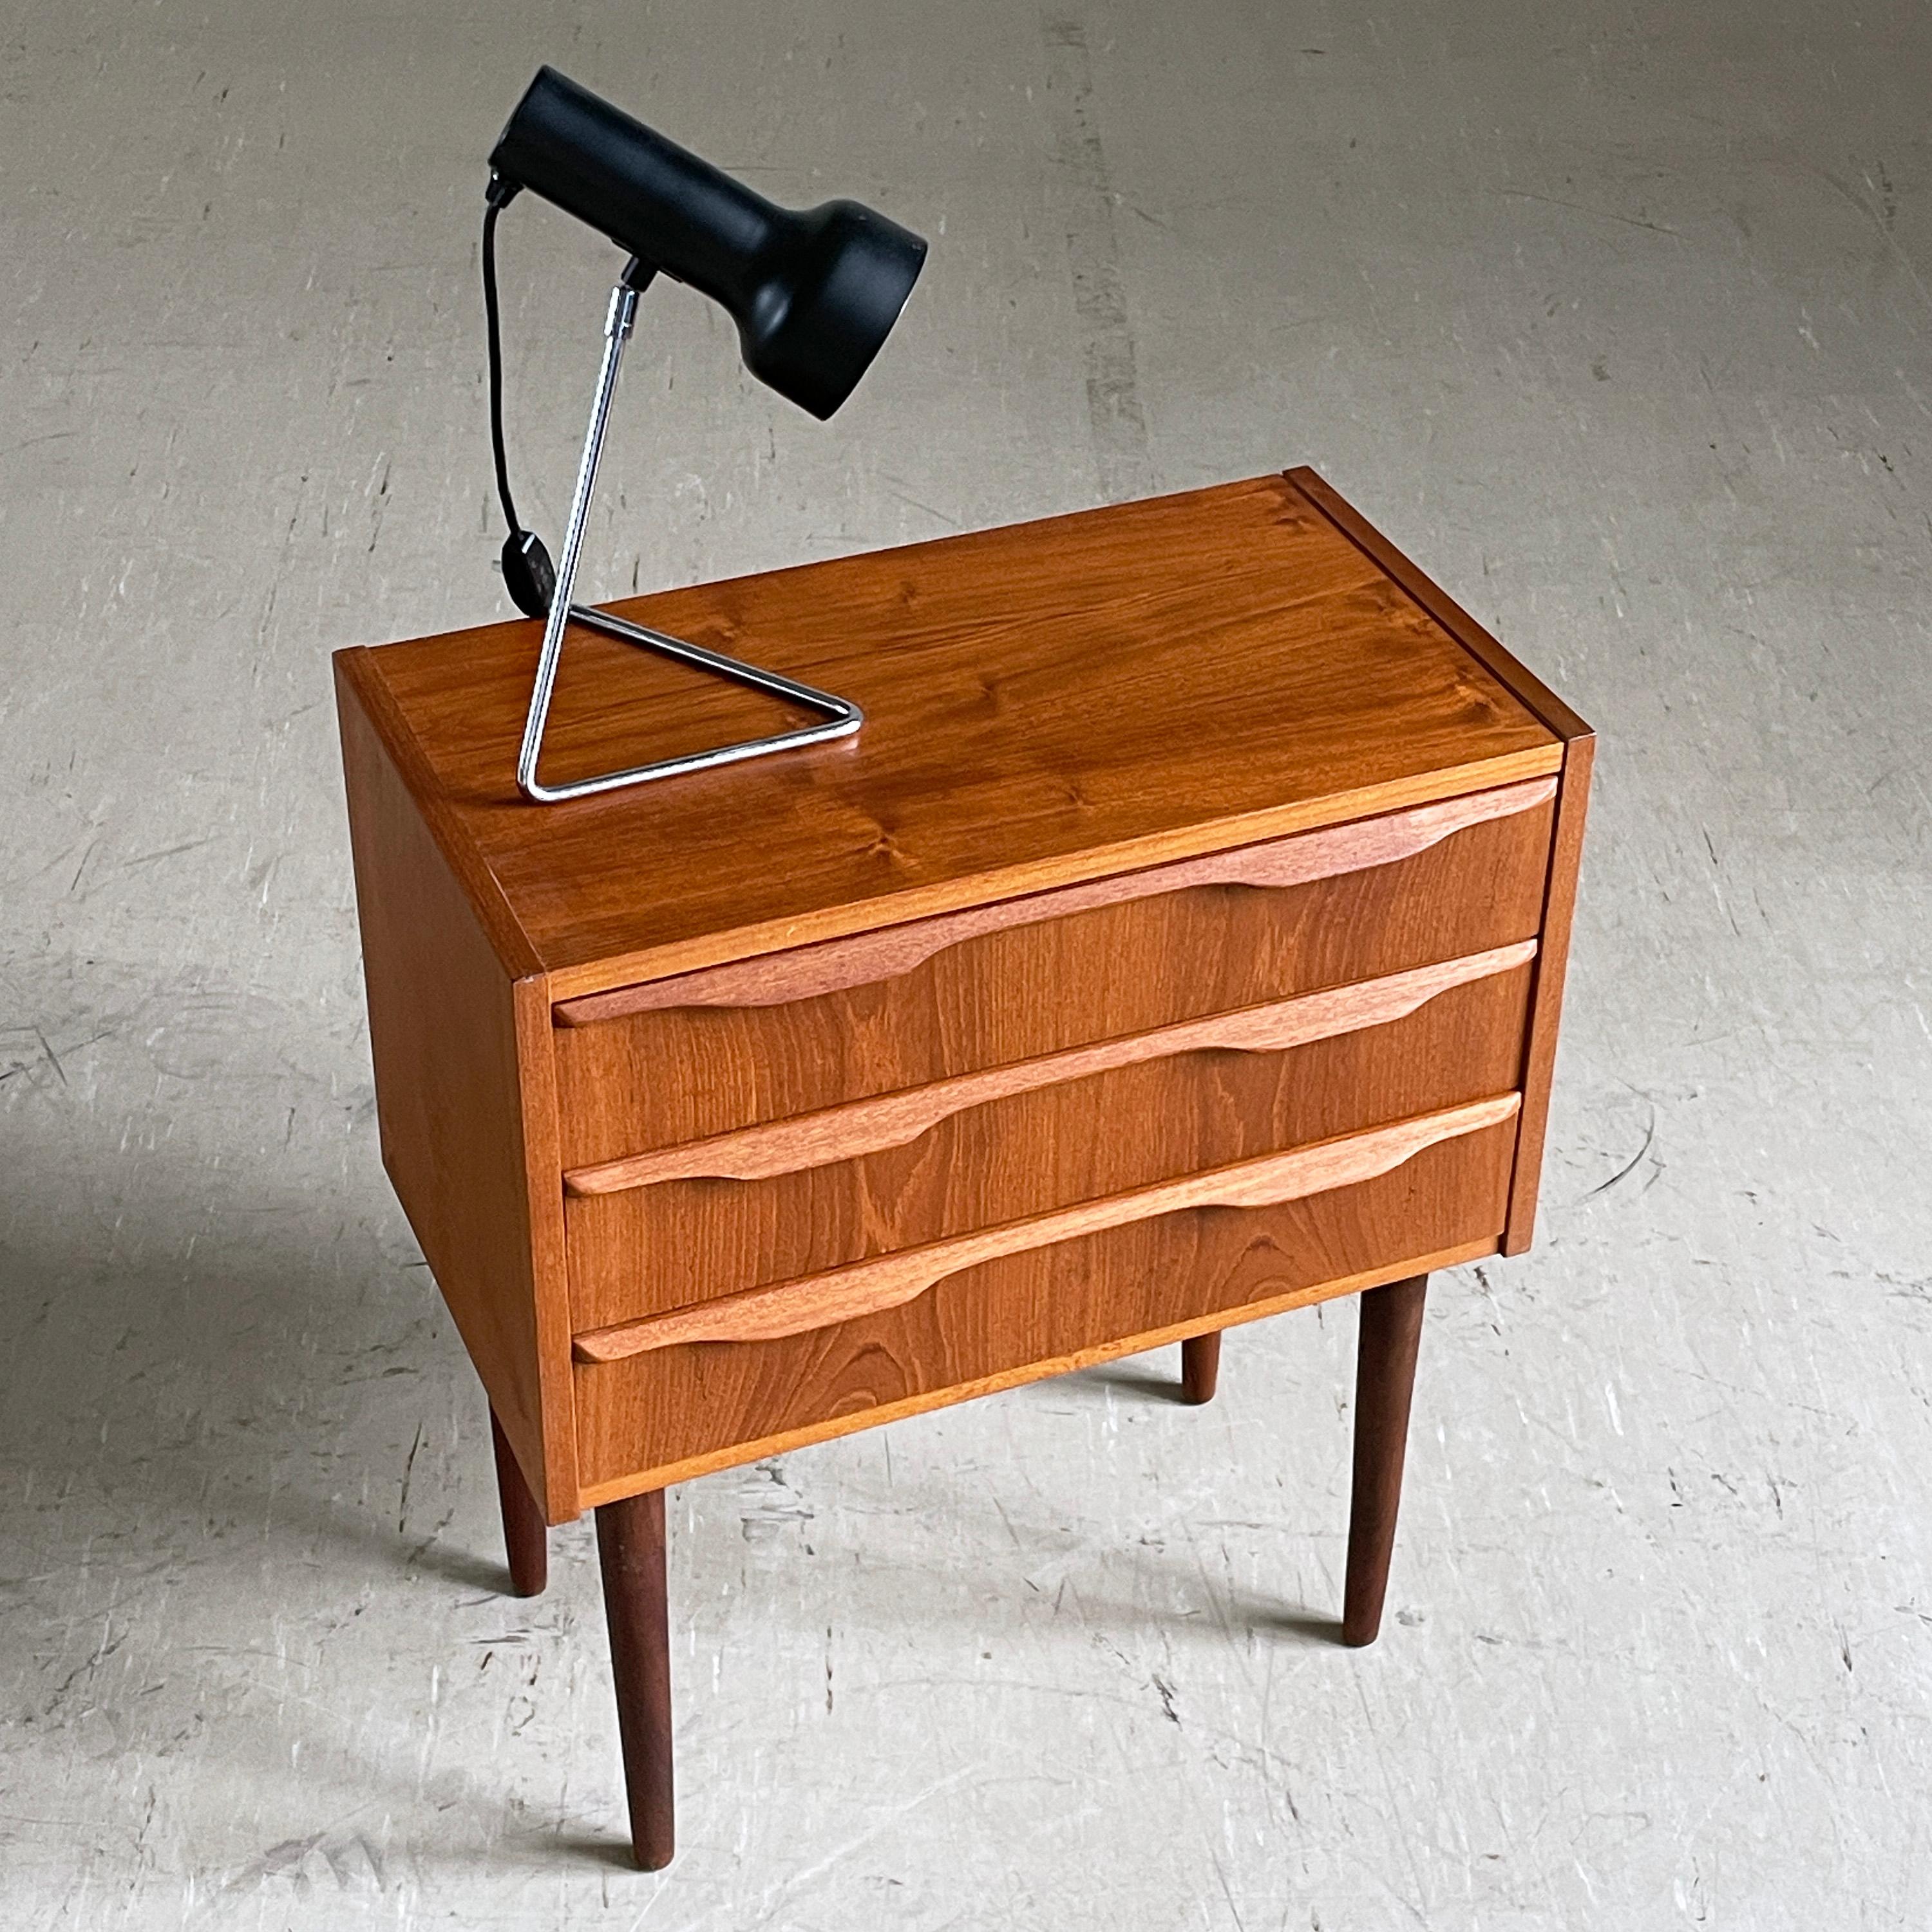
814,295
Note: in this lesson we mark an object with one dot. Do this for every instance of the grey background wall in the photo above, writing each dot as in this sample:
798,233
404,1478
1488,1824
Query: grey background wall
1614,317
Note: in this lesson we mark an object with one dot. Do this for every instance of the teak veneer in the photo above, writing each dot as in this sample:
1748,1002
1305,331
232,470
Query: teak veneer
866,1127
844,1295
1181,941
835,966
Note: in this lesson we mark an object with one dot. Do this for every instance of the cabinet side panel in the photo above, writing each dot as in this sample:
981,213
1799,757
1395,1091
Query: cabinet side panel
1559,904
442,1031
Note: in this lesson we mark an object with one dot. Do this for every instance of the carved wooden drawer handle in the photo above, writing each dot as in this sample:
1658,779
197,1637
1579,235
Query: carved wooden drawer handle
837,965
857,1128
865,1288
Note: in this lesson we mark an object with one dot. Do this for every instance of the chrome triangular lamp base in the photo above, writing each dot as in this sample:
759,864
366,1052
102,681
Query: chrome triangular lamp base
840,716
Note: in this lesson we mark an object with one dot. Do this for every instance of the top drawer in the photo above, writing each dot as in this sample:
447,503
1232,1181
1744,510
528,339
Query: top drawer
762,1039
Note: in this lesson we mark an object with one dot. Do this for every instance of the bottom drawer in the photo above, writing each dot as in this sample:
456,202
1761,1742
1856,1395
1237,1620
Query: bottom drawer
674,1411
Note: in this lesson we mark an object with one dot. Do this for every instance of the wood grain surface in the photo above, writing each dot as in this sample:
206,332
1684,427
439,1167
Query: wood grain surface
1045,703
465,1105
869,1126
672,1413
678,1242
865,1288
1566,852
658,1079
1523,682
836,965
1539,1072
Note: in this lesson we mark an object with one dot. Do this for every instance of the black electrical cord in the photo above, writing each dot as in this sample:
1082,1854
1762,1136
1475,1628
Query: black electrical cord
528,575
492,208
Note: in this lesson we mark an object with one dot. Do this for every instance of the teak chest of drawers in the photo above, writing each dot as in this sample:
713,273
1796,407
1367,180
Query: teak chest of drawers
1181,941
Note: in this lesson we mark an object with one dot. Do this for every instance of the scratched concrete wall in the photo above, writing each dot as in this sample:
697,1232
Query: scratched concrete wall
1616,316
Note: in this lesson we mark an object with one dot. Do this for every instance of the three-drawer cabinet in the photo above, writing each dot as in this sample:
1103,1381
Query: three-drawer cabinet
1180,941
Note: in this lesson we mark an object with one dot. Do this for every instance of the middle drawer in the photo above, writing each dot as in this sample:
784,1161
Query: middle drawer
638,1250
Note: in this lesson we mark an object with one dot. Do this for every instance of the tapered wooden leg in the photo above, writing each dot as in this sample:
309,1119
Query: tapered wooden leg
525,1540
1391,1331
630,1549
1200,1367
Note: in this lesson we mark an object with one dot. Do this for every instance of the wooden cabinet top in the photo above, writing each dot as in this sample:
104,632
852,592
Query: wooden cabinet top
1045,703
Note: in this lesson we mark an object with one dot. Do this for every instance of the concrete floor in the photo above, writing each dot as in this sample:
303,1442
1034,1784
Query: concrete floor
1616,317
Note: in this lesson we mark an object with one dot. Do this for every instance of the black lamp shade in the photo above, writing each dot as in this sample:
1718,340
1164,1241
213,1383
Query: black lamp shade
814,293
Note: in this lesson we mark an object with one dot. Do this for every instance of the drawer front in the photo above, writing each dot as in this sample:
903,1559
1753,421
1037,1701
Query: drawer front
671,1242
671,1411
766,1039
